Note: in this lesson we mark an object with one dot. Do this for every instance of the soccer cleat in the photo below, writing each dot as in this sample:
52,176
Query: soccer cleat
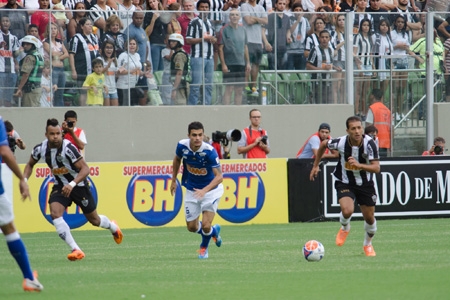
203,253
32,285
118,236
217,239
76,254
341,237
368,250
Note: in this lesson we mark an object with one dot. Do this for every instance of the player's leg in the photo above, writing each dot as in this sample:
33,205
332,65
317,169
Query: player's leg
345,195
58,204
370,227
16,246
80,194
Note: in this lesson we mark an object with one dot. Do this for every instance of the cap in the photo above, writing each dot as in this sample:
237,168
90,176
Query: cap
325,126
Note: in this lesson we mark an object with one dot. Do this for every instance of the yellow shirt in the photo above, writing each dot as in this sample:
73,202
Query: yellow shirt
99,82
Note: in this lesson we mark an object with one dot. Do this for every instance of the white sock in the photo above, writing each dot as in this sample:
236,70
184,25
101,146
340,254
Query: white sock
344,222
64,233
107,224
207,234
370,232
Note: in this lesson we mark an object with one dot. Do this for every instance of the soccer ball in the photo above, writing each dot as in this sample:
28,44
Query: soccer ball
313,250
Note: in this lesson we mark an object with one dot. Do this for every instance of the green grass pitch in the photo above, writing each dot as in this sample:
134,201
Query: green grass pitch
254,262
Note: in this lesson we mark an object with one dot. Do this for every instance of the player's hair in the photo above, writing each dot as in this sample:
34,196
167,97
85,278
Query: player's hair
52,122
250,113
439,139
352,119
70,114
195,126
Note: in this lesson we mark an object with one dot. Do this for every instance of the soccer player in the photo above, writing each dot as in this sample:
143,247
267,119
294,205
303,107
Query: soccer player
202,178
358,160
15,244
70,172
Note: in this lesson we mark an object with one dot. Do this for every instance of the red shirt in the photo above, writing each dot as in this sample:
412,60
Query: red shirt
184,22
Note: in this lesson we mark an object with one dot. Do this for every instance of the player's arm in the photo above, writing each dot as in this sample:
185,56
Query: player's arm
175,168
29,167
10,160
320,152
373,167
81,165
199,194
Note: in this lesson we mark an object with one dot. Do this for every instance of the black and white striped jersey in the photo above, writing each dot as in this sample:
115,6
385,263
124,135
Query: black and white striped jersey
61,161
363,154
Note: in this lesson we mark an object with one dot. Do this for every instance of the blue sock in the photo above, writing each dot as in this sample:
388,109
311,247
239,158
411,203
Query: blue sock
207,238
18,251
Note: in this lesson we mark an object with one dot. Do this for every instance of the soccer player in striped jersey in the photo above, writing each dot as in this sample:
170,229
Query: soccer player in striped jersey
70,171
358,161
202,178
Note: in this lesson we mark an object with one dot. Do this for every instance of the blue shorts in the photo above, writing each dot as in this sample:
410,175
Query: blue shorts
111,95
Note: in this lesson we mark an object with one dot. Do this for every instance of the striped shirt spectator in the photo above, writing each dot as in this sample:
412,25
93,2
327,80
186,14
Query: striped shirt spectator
197,29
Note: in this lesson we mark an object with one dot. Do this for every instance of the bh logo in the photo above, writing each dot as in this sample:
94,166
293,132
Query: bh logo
243,197
150,201
73,215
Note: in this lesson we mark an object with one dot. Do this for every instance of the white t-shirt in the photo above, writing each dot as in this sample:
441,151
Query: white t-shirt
46,97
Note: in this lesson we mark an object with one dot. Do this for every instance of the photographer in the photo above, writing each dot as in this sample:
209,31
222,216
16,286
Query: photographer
13,137
254,142
72,133
438,147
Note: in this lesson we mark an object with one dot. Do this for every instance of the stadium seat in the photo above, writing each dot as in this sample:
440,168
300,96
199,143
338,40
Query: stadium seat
158,77
264,62
294,88
218,88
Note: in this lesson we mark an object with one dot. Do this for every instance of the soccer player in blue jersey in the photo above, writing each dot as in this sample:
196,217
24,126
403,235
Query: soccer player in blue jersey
202,178
358,161
13,240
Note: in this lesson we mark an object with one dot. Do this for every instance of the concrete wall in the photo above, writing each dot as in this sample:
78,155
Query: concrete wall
442,121
150,133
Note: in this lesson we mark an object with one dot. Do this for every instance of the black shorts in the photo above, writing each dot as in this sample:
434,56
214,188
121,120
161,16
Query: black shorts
364,195
255,53
236,75
80,195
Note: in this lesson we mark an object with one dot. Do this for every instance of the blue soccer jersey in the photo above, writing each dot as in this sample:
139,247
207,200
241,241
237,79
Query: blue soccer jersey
3,142
197,166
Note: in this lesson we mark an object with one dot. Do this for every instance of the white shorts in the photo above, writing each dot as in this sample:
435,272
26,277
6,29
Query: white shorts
6,210
194,207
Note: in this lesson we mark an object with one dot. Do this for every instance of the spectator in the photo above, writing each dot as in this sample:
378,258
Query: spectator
130,68
324,12
9,45
110,68
380,116
72,133
95,84
254,142
156,29
18,18
279,36
442,28
362,51
201,36
377,13
99,13
217,19
74,27
179,67
125,12
313,39
166,87
153,94
114,34
60,14
42,18
56,51
382,46
360,15
30,73
438,147
389,5
447,69
227,7
174,26
338,42
255,18
320,59
347,5
310,147
412,21
296,59
186,17
83,49
48,88
234,58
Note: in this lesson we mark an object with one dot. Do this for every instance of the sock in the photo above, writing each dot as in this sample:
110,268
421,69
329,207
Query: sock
64,233
344,222
107,224
18,251
206,237
370,232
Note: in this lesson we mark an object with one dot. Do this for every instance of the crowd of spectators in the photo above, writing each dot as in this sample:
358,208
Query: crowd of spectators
293,34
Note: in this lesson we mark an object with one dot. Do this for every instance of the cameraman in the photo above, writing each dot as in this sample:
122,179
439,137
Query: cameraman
438,147
13,137
254,142
71,132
